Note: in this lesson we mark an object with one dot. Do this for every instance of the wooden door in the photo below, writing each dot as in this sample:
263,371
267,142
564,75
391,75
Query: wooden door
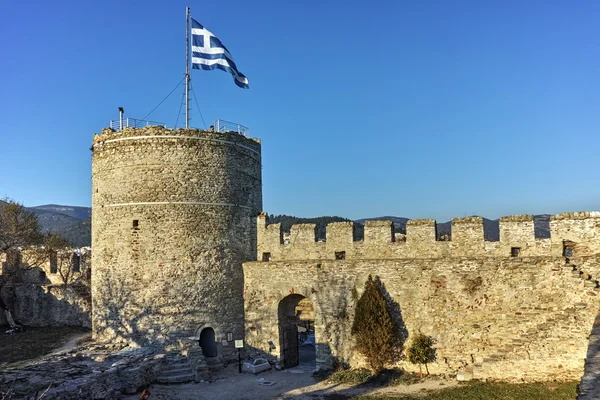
290,343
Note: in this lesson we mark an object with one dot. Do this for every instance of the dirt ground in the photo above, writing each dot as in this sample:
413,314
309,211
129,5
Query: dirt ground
36,342
295,383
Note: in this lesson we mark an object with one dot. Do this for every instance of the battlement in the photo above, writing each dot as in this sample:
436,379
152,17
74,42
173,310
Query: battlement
578,215
517,218
580,231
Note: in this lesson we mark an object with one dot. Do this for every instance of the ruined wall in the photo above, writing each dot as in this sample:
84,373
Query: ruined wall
48,305
36,267
173,219
492,315
36,294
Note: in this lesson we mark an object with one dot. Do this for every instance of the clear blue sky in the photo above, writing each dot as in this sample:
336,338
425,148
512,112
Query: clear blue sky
422,109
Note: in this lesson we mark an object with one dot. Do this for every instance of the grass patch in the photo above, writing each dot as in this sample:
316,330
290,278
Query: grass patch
406,378
362,376
34,342
354,376
493,391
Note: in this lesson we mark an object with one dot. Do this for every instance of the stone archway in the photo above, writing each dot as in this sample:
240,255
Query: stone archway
296,331
207,342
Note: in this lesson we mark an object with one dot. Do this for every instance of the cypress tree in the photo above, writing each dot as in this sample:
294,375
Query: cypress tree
376,335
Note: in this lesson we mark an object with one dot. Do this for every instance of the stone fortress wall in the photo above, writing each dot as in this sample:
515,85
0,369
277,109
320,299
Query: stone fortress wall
173,220
581,228
493,311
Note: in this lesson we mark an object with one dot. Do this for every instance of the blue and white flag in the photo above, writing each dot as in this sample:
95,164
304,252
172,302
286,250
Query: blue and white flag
209,53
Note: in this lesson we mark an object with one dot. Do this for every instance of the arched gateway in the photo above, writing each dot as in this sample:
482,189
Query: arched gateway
296,331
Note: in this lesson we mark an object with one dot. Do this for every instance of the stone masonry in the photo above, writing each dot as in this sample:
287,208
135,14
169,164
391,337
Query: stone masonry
515,309
173,220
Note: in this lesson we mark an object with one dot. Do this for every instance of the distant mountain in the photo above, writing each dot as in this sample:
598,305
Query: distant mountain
399,222
79,234
79,213
71,222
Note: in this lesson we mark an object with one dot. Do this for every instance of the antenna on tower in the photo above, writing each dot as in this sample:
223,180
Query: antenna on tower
121,111
187,68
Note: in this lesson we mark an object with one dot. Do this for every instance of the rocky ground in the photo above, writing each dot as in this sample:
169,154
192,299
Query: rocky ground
94,372
296,383
115,372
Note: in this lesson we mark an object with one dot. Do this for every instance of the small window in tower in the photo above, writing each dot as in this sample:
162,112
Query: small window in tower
53,262
136,223
76,263
266,257
340,255
514,251
567,250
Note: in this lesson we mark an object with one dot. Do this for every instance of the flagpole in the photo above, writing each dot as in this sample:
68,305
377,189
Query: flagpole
187,68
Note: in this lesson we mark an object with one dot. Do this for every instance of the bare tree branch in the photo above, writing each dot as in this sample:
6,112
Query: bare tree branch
19,227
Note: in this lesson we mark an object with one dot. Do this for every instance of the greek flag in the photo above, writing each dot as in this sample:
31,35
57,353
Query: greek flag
209,53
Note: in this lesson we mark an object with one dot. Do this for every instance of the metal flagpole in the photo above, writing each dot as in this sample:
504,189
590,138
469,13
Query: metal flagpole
187,67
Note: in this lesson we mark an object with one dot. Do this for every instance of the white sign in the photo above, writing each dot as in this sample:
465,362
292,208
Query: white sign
239,344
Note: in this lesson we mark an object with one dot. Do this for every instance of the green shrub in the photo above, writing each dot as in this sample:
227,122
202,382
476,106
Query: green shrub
421,351
377,337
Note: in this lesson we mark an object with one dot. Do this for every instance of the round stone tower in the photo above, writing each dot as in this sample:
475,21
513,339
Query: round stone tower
173,220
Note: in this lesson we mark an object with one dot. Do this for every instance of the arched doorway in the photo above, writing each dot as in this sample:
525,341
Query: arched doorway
207,342
296,331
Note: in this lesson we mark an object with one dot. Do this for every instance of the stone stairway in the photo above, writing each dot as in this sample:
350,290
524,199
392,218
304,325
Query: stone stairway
588,281
214,364
177,370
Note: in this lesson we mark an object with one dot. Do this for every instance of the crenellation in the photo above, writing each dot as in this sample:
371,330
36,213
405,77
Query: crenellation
468,237
341,233
576,215
517,238
517,218
582,229
421,231
339,238
379,232
303,234
517,232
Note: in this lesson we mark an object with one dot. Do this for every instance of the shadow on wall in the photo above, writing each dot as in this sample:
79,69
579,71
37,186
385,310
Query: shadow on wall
123,316
48,305
395,311
589,387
